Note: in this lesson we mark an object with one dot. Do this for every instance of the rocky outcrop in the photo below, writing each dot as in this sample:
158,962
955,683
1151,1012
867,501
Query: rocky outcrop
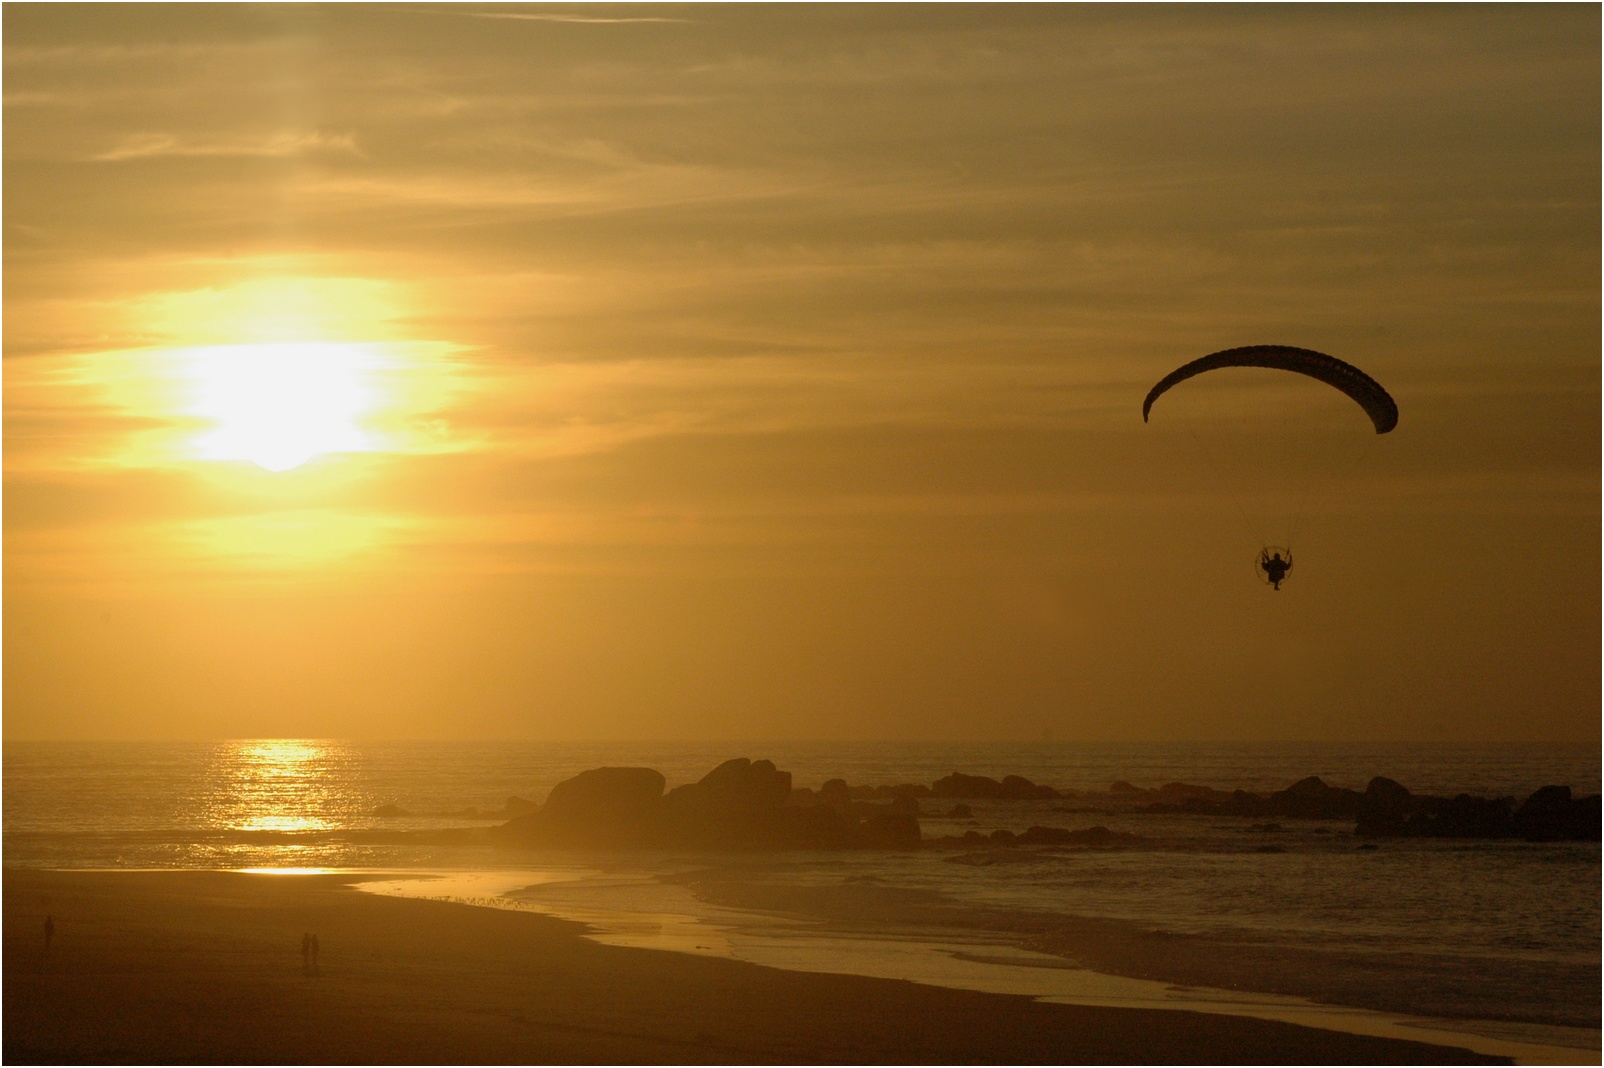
1312,799
601,807
1011,788
1389,810
1551,814
741,804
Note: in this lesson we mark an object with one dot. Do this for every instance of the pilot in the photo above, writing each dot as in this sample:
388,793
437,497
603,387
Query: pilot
1275,568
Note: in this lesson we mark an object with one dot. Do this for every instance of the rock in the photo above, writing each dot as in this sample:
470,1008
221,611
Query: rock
737,804
960,785
1019,788
519,806
834,792
600,807
389,812
906,789
1384,809
1470,817
741,804
1203,801
961,812
1389,810
1551,815
1312,799
1177,790
1048,836
1011,788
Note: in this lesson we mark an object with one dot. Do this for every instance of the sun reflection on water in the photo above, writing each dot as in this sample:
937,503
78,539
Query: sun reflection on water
276,785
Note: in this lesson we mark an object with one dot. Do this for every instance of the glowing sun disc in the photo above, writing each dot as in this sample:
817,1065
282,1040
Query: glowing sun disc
279,405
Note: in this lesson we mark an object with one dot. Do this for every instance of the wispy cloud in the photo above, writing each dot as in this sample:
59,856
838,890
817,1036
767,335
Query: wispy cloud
594,19
284,143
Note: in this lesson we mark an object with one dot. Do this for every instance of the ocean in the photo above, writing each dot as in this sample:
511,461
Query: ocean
1497,940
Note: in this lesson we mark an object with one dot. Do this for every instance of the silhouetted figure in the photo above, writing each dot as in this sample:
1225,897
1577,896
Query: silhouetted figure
1275,568
314,954
306,953
50,932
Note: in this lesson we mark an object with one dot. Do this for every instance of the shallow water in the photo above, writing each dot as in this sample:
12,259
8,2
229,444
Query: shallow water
639,910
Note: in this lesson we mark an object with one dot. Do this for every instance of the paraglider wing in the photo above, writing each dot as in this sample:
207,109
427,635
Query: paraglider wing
1364,390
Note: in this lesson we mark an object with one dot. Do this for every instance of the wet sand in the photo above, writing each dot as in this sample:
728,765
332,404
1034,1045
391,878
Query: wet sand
206,967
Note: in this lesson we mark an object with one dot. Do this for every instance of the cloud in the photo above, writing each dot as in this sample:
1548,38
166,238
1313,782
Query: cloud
284,143
585,19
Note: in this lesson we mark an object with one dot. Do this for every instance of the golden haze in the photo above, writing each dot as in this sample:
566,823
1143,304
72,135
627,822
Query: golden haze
775,372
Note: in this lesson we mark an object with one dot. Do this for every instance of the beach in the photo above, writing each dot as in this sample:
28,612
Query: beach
191,967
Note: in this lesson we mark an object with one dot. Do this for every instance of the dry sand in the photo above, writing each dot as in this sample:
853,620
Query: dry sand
187,967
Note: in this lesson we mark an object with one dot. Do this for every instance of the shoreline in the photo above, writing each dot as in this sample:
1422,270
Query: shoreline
204,966
978,964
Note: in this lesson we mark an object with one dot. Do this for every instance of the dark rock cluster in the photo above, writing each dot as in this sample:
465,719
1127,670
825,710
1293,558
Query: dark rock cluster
741,804
1308,798
1011,788
1388,809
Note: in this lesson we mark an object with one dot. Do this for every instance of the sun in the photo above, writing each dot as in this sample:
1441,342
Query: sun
281,404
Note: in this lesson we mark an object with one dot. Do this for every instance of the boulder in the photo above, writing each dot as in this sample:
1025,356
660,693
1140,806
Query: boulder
1011,788
906,789
599,807
1551,815
1177,790
738,804
1384,810
1312,799
1019,788
741,804
1203,801
834,792
960,785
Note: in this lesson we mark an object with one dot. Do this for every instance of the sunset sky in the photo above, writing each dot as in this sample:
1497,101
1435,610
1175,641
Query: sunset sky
775,372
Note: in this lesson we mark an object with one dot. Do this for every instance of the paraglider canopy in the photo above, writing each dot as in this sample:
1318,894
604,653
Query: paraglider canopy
1363,389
